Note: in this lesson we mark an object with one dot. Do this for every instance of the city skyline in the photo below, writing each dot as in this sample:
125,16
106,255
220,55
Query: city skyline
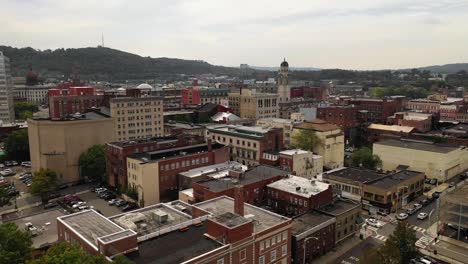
361,35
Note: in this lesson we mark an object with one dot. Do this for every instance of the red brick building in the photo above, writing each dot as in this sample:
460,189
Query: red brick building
117,153
420,121
254,183
296,195
346,117
70,100
377,109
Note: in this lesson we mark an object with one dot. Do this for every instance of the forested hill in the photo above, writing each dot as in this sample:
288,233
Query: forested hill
105,64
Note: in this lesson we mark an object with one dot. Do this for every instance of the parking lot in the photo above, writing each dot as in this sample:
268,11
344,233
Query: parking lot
46,224
102,205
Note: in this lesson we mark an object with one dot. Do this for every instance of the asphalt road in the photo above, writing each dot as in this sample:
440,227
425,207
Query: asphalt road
353,255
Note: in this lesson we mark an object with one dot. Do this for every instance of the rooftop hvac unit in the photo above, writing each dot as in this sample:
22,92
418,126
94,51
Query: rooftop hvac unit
179,207
159,216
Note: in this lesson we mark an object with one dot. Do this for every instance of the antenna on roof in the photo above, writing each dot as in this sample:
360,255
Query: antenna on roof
102,40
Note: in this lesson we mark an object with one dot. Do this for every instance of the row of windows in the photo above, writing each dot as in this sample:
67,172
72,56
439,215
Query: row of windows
274,255
238,142
184,163
269,242
139,104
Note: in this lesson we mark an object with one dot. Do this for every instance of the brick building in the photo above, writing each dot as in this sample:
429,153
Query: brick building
296,195
424,105
154,174
377,132
377,109
313,232
117,153
216,231
70,100
247,144
254,182
422,122
346,117
347,216
193,96
300,162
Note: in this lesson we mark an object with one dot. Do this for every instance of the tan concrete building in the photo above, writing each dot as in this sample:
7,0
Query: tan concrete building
286,124
303,163
437,161
57,145
331,146
137,117
254,105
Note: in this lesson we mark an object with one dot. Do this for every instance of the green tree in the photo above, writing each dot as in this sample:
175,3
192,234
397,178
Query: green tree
44,183
65,253
15,244
5,198
24,107
363,157
93,163
17,145
305,139
399,247
25,115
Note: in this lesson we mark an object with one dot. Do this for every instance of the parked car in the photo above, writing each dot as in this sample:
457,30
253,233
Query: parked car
8,163
425,202
373,222
14,163
54,195
422,216
427,181
433,182
110,196
78,204
83,207
31,229
402,216
410,211
112,201
417,206
436,195
129,207
416,261
431,260
50,205
26,164
120,203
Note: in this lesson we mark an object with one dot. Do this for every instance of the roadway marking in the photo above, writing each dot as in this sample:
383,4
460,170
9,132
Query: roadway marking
417,228
381,237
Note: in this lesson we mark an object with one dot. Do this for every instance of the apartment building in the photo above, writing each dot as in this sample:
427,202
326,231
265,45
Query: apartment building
117,153
137,117
344,116
347,217
247,144
331,137
424,105
296,195
58,144
286,124
437,161
193,96
248,103
7,112
377,109
154,174
301,163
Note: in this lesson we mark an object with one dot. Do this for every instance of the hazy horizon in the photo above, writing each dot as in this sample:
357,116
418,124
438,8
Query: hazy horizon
358,35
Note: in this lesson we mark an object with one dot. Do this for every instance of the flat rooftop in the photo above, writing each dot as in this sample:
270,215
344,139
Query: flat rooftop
240,130
262,218
183,125
175,247
300,186
291,152
317,125
339,207
214,171
308,221
418,145
256,174
395,179
174,152
144,220
91,225
158,140
352,175
391,128
277,120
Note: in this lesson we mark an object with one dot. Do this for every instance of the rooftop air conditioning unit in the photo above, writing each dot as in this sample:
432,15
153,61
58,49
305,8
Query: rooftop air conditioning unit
159,216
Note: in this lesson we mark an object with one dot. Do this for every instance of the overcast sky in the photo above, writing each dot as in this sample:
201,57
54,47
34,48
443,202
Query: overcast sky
350,34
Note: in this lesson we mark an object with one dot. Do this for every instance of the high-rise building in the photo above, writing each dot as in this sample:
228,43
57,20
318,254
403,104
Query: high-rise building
7,112
137,117
254,105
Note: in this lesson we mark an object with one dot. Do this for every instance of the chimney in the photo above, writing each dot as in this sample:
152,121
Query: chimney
239,199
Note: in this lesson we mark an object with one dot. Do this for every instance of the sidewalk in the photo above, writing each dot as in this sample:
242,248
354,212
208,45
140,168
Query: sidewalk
339,250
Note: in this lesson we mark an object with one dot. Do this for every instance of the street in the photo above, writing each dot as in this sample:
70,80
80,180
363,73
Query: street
353,255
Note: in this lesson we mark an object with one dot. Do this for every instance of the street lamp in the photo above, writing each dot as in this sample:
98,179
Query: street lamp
429,219
304,246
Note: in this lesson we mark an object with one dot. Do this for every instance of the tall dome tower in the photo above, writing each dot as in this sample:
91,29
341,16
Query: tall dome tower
284,90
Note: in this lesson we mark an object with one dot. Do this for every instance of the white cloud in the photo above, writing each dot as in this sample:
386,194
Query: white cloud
360,34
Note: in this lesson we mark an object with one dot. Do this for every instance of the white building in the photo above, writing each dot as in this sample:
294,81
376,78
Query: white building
37,94
7,112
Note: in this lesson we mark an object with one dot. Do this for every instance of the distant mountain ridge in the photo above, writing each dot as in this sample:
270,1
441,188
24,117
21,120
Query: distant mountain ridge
265,68
446,68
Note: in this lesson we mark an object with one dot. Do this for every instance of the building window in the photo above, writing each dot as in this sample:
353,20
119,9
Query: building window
285,235
261,260
273,255
284,250
242,254
220,261
262,245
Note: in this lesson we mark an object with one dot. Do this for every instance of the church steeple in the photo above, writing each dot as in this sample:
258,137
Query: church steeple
283,82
